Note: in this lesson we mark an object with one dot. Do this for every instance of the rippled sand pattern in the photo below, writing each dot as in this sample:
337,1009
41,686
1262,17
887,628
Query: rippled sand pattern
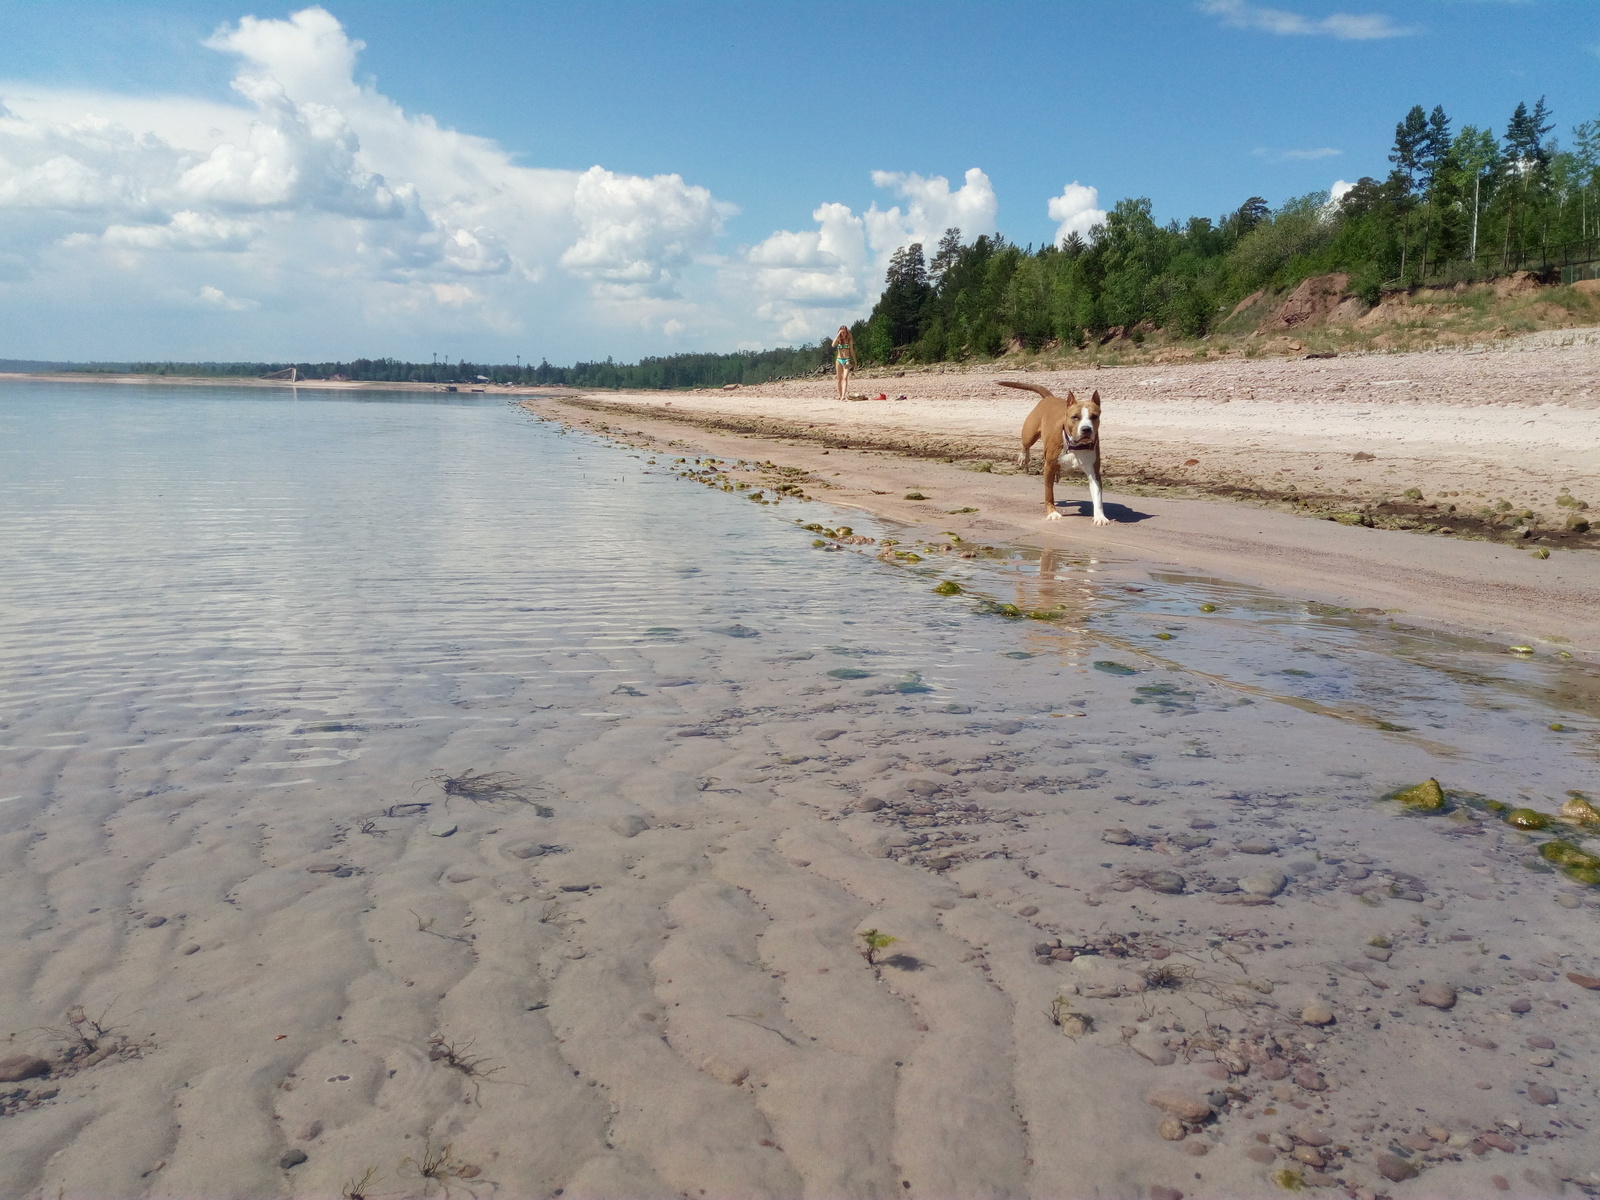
255,650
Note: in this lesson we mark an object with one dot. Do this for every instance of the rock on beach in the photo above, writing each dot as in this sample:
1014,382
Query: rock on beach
1180,1104
1437,995
16,1067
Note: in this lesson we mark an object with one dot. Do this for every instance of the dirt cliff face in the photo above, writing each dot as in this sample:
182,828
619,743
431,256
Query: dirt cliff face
1322,299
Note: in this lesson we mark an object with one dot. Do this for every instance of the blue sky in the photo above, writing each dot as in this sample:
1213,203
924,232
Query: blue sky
211,180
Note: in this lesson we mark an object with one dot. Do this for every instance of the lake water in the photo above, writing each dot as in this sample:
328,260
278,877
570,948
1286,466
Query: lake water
251,640
244,571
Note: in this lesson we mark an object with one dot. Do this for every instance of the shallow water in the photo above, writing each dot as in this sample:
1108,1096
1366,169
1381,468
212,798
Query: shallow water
239,630
229,584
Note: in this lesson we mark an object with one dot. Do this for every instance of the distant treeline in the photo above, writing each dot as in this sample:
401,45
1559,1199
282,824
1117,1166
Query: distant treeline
1457,205
671,371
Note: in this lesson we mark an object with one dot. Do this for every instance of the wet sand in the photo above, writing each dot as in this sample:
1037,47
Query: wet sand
843,455
383,841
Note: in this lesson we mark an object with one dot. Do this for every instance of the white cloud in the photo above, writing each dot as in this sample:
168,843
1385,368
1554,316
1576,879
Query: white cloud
808,282
1345,26
1076,210
636,234
187,230
213,297
135,226
350,218
1338,191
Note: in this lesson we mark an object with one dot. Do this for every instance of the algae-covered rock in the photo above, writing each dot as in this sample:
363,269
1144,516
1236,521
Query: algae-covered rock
1351,518
1114,668
1426,796
948,588
1527,818
1578,810
1565,854
1045,614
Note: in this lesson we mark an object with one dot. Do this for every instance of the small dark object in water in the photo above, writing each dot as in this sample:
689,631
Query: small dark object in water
487,787
1114,668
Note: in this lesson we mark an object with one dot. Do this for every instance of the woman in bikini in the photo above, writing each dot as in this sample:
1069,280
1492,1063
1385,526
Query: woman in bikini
844,358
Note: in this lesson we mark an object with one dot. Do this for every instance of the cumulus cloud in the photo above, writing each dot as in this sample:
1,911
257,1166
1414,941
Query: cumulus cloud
1340,188
311,215
808,282
321,193
1344,26
1077,210
636,234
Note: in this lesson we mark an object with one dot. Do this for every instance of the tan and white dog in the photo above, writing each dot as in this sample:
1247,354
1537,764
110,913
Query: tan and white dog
1068,426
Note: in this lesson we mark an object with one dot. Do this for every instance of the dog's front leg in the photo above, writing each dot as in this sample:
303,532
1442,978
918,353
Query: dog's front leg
1052,472
1090,462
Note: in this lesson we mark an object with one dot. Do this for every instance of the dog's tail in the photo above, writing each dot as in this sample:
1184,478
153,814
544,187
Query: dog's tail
1028,387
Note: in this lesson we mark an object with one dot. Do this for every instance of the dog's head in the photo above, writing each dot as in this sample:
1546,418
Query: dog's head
1082,427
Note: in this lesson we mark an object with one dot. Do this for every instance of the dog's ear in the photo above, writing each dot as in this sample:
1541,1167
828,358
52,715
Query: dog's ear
1095,399
1071,397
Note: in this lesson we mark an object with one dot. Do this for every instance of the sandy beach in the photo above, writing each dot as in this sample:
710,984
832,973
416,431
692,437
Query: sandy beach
1284,440
496,810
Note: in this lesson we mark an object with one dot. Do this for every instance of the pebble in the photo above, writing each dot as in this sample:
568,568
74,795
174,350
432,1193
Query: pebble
1520,1006
1264,883
867,804
1274,1068
1196,1149
1317,1013
1378,953
524,849
1311,1080
1117,837
576,887
191,948
1172,1129
1584,981
1256,847
1542,1093
442,828
460,877
1539,1042
17,1067
1260,1154
1541,1060
1183,1105
1310,1135
940,863
630,825
1417,1141
1310,1155
1568,901
323,868
292,1159
155,922
1028,910
1438,995
1159,1192
827,735
1216,1071
1498,1140
1167,882
1394,1168
1482,1043
1149,1047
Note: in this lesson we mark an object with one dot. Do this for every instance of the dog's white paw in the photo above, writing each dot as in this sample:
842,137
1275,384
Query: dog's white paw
1102,520
1052,515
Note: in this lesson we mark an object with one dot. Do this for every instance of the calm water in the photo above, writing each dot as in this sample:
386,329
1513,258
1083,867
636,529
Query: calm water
258,577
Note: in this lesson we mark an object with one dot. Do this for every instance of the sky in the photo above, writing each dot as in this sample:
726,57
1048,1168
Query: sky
209,180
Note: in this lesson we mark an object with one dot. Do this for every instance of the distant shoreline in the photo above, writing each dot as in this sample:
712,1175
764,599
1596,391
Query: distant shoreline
346,385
